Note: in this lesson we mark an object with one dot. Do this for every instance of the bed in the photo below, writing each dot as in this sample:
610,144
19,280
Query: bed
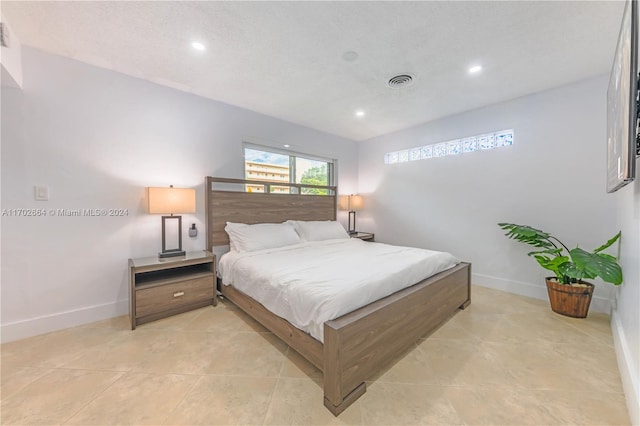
355,345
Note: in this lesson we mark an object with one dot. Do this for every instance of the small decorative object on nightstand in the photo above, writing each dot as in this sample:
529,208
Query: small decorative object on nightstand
163,287
365,236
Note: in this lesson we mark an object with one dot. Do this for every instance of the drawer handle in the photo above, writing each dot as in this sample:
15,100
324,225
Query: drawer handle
178,294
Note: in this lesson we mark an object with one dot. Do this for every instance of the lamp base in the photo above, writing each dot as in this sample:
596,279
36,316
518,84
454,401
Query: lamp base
171,253
352,230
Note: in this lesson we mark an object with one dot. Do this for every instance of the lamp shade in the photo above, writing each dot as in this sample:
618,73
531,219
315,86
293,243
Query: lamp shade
355,202
350,202
172,200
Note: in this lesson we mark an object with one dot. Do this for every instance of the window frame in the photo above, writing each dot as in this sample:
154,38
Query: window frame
293,155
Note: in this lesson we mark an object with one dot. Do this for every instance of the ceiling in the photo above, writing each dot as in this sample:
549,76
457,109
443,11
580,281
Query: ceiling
285,59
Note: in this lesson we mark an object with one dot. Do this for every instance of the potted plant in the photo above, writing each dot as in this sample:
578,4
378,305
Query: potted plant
568,294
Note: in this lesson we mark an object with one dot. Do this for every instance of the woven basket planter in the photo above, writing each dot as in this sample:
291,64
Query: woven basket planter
568,300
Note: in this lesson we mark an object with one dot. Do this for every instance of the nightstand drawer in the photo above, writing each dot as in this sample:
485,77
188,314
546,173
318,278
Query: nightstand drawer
163,297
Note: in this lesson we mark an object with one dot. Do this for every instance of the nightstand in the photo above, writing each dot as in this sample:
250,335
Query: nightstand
163,287
366,236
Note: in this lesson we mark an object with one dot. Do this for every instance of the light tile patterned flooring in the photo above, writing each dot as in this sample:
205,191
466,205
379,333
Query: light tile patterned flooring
505,360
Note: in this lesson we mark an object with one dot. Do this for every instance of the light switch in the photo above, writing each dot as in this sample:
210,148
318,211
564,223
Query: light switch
42,193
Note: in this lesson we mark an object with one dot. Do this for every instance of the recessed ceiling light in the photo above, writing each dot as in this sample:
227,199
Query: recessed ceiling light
198,46
359,113
286,145
474,69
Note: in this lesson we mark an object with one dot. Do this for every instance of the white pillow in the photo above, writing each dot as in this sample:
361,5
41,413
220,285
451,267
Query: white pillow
243,237
318,230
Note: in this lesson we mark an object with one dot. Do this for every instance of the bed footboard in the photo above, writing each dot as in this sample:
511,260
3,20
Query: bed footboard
359,344
301,342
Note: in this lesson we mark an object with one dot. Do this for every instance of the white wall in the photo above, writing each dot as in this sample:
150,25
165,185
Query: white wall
97,138
552,178
626,317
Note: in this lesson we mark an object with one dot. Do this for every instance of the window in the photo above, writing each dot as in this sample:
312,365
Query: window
272,165
493,140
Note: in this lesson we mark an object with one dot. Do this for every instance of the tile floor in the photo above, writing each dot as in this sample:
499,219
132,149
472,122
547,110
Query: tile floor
505,360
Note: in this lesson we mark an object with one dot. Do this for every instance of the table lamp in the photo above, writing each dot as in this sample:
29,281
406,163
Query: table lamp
352,203
171,201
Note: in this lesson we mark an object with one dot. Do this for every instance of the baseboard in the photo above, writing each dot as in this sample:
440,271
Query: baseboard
628,373
45,324
598,304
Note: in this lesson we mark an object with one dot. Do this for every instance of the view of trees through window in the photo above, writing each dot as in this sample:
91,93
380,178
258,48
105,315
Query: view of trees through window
315,176
277,167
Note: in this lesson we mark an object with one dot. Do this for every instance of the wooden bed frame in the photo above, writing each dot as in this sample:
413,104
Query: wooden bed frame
356,345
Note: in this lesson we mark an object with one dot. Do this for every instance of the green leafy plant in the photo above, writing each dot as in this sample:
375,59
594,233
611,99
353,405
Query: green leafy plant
570,266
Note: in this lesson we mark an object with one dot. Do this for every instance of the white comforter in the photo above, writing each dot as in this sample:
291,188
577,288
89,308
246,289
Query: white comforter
310,283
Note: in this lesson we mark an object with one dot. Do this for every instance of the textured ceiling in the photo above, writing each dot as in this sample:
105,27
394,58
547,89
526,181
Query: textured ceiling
284,59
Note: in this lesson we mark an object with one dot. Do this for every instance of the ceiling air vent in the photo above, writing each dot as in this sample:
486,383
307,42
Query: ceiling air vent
401,80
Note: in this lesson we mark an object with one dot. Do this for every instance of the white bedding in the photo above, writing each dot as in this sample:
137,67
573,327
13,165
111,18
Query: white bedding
313,282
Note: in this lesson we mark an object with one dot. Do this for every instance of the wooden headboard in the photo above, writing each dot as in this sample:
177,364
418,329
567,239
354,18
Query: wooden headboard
226,205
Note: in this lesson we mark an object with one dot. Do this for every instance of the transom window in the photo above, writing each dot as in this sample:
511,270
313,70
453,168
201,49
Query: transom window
272,165
493,140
